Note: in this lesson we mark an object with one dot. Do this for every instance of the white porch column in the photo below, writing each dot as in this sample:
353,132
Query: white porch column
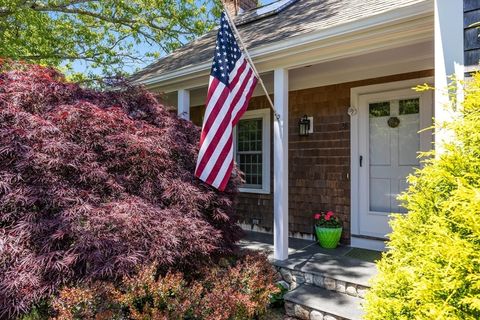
280,160
184,104
449,58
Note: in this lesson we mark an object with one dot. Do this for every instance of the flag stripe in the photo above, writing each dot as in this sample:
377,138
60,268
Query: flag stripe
222,158
238,90
214,107
209,138
214,152
239,98
226,177
243,107
225,171
239,70
239,66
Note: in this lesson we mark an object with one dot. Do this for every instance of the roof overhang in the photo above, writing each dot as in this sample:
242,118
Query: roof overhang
395,28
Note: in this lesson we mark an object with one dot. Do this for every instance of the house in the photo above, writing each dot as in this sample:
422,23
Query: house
349,67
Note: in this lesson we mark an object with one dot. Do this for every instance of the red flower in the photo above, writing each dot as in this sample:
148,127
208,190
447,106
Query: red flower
317,216
328,215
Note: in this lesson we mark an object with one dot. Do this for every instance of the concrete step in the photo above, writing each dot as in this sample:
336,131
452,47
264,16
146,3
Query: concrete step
309,302
335,273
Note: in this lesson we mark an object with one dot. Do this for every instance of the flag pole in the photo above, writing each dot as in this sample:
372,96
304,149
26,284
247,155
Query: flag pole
249,59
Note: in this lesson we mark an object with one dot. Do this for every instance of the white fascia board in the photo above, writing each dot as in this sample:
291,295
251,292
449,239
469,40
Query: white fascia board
295,45
182,73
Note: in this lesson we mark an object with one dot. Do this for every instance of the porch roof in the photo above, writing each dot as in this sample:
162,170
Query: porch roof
298,18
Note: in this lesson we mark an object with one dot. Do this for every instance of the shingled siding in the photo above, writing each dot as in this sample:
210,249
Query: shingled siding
471,34
319,164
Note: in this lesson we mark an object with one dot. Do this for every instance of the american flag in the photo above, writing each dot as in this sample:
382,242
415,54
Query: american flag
232,81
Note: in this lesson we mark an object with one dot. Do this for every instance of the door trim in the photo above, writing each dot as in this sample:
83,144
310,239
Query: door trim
371,244
355,138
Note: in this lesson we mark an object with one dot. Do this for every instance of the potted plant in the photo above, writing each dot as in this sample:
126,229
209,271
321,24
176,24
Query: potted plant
328,228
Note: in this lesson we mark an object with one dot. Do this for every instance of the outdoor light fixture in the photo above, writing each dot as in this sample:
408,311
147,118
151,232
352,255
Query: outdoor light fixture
304,126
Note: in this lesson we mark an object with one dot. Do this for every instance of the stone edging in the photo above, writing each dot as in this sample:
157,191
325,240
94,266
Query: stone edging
295,278
304,313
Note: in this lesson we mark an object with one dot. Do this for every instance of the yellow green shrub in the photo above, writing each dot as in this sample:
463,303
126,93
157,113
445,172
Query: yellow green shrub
432,270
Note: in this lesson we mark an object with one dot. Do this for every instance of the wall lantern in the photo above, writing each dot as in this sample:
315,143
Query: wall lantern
304,126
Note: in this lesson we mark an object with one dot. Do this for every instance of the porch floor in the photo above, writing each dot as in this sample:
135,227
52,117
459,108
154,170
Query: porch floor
304,249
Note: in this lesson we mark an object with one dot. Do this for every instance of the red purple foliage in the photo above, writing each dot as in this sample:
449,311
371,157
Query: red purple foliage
238,289
93,184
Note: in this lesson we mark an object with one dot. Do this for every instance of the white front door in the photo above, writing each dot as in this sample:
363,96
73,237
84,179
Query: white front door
389,143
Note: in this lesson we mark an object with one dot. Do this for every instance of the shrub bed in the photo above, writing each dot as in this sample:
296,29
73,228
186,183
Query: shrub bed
237,289
432,270
94,185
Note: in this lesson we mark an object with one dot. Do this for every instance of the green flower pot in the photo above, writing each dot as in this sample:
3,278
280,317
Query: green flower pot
328,237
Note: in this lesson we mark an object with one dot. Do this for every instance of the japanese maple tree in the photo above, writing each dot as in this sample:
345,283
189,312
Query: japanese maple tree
94,184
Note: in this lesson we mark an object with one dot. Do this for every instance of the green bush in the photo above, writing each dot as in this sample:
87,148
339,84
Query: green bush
432,270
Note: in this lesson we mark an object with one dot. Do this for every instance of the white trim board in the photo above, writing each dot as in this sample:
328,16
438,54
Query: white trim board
260,229
370,244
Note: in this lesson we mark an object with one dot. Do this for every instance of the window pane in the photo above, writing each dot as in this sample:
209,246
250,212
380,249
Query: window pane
379,109
409,106
249,151
249,135
241,137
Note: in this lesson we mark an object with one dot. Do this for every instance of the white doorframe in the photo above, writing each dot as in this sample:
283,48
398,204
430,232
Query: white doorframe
398,87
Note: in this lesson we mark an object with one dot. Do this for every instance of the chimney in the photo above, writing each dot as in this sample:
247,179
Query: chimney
236,7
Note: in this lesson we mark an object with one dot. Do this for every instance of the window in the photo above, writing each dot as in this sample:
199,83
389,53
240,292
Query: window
410,106
249,151
252,150
379,109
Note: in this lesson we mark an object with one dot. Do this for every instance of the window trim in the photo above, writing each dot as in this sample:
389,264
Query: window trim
265,115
